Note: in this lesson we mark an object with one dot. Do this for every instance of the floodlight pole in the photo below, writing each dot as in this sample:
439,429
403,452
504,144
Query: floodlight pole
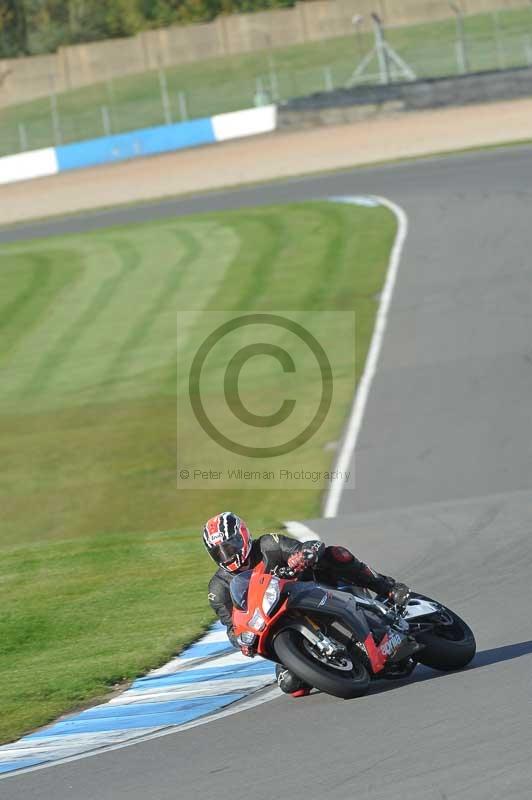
357,21
384,54
460,35
380,47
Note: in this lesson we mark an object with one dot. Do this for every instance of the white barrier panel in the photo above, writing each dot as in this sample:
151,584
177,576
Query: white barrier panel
35,164
244,123
51,160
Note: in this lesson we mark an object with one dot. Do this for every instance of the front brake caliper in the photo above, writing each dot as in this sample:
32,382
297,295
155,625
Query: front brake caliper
327,647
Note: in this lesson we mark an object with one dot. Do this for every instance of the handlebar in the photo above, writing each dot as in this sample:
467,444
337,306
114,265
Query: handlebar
284,572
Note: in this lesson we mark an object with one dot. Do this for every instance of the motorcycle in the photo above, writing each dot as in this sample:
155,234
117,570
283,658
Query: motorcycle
340,639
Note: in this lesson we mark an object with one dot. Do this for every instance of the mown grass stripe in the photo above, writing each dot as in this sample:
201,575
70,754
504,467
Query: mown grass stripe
130,260
260,276
164,297
48,274
321,292
39,277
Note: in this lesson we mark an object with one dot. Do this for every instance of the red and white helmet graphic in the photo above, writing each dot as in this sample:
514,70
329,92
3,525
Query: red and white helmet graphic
227,540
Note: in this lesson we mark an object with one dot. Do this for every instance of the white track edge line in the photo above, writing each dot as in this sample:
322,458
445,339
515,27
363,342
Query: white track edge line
300,531
354,424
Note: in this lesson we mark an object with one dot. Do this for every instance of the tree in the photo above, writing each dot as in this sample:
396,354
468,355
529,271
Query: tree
13,27
123,18
41,26
159,12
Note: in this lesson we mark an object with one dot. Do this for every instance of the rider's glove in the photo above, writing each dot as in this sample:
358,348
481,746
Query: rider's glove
399,594
301,560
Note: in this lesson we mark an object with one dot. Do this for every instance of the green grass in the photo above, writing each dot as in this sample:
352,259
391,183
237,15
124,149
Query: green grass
102,570
227,84
82,615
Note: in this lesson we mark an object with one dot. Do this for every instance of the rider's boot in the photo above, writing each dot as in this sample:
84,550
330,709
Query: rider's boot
290,683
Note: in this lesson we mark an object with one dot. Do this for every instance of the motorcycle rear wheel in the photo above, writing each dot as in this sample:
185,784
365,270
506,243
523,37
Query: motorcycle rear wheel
289,649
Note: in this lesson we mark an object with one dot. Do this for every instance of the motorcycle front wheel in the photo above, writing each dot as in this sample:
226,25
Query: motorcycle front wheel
290,649
448,646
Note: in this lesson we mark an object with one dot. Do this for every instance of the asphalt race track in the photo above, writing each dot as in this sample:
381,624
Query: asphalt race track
443,501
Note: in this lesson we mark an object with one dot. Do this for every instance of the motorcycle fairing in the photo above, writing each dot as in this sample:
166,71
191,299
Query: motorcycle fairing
344,608
419,607
311,597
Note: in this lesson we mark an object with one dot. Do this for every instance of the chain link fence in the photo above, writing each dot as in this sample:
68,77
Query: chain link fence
495,41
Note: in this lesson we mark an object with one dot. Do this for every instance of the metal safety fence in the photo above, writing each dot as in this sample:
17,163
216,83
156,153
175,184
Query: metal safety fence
494,41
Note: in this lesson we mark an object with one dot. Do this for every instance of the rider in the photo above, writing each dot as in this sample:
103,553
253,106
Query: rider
230,545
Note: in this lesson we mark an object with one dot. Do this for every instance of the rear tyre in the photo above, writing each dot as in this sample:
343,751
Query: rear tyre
448,647
289,649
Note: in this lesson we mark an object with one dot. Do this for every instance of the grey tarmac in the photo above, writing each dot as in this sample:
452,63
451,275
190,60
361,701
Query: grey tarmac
443,500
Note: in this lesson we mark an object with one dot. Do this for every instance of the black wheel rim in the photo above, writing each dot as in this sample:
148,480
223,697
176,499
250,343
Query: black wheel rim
357,673
452,629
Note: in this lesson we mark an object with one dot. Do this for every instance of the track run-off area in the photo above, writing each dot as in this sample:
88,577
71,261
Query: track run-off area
443,501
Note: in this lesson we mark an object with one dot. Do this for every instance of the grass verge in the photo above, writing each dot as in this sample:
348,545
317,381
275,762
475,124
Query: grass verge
102,573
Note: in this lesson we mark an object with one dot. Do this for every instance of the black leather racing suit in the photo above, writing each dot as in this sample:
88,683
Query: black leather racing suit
333,564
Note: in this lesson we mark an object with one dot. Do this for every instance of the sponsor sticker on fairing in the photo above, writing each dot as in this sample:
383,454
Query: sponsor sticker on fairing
392,643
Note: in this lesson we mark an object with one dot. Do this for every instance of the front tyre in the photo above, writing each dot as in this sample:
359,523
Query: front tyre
290,650
451,645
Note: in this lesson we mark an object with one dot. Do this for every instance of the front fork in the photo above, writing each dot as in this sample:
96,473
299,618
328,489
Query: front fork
378,655
313,633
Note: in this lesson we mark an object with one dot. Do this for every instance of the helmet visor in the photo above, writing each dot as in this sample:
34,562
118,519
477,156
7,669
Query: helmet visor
226,552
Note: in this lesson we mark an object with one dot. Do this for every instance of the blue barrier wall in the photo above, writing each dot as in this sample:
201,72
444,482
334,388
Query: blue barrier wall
145,142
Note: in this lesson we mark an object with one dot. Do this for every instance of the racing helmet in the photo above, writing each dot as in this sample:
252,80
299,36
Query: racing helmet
227,540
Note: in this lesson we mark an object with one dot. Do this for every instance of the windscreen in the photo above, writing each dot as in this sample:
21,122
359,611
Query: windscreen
239,590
